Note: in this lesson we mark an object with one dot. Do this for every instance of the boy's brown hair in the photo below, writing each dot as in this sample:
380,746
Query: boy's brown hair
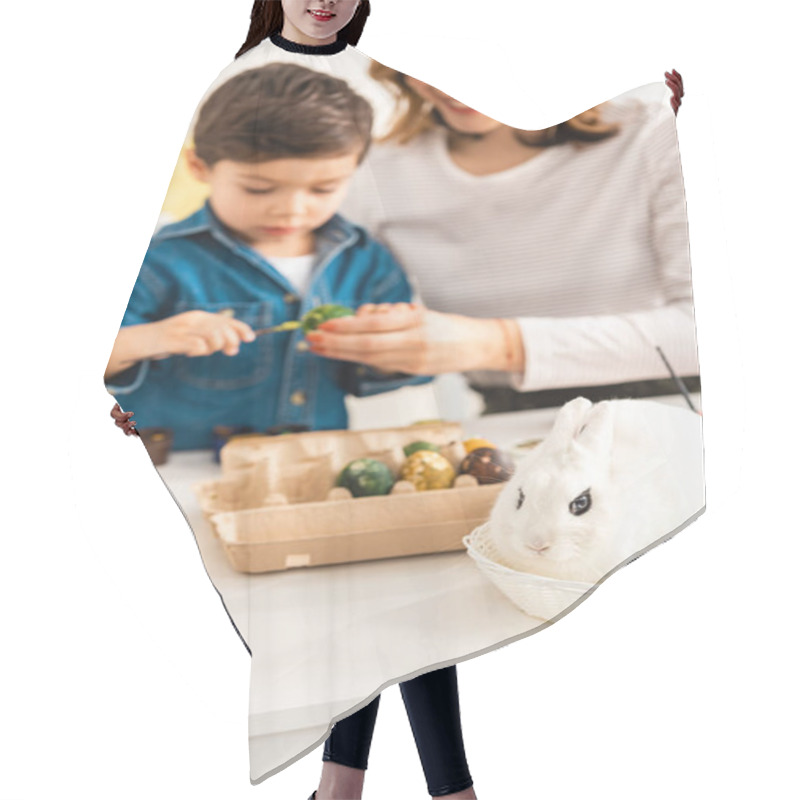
282,111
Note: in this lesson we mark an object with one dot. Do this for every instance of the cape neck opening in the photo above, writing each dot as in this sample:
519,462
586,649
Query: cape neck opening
308,49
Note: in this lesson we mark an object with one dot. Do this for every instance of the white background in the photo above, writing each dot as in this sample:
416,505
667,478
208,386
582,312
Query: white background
121,675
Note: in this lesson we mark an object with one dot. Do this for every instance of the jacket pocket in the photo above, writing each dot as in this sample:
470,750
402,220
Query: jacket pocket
250,366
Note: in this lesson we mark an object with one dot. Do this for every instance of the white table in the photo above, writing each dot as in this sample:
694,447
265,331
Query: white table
326,640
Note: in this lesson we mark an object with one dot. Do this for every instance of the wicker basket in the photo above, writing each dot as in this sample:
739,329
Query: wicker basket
534,594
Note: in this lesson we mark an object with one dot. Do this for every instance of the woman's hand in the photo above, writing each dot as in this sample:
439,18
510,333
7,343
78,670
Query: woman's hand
122,419
405,337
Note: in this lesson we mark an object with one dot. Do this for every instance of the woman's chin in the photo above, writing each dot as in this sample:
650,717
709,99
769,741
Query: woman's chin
471,123
469,130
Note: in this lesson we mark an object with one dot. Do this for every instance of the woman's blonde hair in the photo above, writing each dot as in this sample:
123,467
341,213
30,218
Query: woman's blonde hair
415,116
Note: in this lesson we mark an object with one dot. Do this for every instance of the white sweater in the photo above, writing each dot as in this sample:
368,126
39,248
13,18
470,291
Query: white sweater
588,250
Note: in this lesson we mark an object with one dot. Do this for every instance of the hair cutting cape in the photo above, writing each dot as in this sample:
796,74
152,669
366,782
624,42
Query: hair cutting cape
364,526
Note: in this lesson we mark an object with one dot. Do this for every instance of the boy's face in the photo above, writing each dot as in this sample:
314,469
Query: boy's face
281,201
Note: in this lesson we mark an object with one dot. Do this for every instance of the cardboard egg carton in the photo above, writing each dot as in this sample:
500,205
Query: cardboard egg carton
276,505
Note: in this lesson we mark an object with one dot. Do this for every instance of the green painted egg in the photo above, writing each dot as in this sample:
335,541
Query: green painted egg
311,320
415,447
366,477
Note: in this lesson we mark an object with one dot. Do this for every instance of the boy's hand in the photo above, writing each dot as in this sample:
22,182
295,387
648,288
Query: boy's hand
200,333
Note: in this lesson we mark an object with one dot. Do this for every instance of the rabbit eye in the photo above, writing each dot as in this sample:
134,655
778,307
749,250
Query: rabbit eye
520,498
581,504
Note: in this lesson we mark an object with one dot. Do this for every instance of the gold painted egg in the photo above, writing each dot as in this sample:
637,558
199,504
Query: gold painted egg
428,470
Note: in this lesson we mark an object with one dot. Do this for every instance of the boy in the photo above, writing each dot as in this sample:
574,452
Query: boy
277,146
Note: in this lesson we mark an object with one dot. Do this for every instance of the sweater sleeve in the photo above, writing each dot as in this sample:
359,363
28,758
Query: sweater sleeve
600,349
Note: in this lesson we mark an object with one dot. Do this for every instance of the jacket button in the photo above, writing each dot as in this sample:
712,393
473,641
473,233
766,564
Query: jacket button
302,346
290,298
298,398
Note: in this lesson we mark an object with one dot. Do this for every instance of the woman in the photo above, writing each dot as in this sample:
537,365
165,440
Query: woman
551,263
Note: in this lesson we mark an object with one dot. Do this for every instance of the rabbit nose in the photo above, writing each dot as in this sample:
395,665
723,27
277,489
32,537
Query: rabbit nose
539,546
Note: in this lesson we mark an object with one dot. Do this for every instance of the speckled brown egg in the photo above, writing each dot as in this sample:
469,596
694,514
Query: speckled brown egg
488,465
428,470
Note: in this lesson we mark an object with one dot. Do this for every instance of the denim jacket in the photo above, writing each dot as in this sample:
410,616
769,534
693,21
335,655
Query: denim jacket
197,263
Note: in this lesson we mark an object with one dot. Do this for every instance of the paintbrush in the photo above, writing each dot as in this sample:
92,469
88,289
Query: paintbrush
292,325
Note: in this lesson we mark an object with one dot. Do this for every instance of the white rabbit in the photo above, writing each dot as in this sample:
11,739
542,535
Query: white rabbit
608,481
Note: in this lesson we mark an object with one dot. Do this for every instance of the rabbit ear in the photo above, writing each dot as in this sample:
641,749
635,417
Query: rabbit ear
569,421
596,435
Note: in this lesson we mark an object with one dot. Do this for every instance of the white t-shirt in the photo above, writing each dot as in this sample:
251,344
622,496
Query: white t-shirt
587,249
297,269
